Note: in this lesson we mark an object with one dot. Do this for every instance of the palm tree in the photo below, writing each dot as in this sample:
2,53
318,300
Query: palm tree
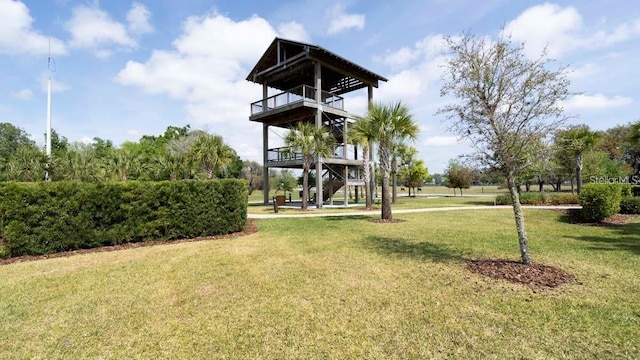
362,133
578,140
310,142
391,124
120,164
210,153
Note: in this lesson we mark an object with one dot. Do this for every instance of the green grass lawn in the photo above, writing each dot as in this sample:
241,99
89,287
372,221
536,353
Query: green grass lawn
339,288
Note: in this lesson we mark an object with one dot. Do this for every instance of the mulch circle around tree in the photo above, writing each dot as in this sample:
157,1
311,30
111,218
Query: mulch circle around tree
251,228
536,276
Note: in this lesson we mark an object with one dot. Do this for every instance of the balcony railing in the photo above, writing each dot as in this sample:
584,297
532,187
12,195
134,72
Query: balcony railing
300,93
283,154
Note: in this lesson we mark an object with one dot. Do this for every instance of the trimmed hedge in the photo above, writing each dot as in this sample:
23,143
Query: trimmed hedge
537,198
630,205
600,201
625,190
43,218
635,190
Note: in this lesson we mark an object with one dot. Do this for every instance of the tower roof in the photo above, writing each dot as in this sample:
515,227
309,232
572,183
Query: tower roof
287,64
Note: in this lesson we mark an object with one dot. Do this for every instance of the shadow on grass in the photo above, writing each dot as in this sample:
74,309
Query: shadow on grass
625,237
421,251
338,217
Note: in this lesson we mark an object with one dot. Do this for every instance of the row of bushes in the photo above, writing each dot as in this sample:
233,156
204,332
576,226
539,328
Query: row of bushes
600,201
539,198
42,218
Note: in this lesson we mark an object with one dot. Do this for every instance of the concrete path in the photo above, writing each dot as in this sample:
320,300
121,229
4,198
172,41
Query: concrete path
403,211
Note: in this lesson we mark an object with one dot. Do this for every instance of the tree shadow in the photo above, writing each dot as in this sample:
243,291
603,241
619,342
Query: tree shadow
625,237
420,251
346,217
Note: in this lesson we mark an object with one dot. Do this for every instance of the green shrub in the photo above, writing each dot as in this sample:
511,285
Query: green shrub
630,205
563,199
625,190
503,199
537,198
42,218
600,201
635,190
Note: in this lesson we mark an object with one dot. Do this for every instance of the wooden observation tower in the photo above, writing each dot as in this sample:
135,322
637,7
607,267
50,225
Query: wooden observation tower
303,82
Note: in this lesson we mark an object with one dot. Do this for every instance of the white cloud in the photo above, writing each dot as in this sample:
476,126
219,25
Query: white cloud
597,101
94,30
441,141
293,31
584,71
431,46
341,21
547,25
17,35
401,57
138,19
420,69
133,133
562,30
24,94
206,70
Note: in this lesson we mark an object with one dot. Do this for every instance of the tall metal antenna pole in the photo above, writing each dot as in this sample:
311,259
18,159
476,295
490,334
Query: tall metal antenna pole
48,139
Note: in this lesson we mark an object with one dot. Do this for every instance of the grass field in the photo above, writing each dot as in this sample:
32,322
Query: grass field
333,288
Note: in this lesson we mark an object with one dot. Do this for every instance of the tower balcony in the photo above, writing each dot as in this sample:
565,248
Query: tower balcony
299,98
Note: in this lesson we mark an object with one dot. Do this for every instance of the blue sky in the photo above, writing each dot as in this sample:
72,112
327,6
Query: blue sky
125,69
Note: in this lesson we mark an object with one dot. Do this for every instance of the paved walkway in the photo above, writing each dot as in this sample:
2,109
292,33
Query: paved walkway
404,211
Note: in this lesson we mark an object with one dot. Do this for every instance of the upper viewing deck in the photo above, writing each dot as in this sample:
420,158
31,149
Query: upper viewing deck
298,95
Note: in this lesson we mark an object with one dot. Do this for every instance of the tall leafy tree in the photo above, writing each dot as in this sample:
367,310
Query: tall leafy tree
458,176
310,142
577,141
633,146
503,103
391,124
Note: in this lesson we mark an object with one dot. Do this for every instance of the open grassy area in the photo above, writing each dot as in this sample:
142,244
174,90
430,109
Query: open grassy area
333,288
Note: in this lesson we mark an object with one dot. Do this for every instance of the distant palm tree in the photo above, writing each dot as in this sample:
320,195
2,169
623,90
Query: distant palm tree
78,163
362,133
120,164
28,164
578,140
211,154
391,124
311,142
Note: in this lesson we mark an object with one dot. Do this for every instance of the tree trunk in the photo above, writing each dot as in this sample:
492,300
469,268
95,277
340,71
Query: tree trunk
305,187
540,185
367,177
384,172
519,217
394,195
394,172
572,189
579,172
559,185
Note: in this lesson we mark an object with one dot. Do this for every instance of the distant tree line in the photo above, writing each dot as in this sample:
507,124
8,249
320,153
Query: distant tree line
576,155
179,153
